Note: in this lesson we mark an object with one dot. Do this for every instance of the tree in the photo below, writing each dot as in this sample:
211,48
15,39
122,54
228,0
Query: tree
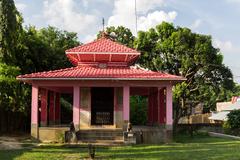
10,30
44,49
178,51
25,50
14,99
120,34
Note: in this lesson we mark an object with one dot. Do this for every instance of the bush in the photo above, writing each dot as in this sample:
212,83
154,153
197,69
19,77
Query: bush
232,125
233,121
138,110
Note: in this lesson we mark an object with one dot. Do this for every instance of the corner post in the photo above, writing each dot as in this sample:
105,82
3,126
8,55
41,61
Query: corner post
34,112
76,106
126,108
169,114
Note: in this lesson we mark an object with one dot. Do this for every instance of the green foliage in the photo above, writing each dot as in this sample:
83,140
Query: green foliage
226,127
179,51
61,137
10,30
138,110
120,34
13,95
233,121
44,49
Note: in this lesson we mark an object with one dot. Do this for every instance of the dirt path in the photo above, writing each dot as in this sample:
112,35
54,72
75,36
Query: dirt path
12,143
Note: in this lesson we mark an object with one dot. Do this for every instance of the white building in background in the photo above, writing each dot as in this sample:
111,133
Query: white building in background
224,108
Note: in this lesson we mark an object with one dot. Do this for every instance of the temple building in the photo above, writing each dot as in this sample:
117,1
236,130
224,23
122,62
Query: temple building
101,83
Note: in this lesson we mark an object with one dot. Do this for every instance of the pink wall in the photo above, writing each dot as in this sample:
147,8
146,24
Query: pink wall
76,105
156,113
162,106
51,107
57,108
150,107
34,113
126,109
44,97
101,83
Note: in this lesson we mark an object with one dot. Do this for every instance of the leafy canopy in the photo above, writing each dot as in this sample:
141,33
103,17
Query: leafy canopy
10,30
179,51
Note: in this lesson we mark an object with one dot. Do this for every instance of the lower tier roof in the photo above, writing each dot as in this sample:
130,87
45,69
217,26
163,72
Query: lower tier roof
96,73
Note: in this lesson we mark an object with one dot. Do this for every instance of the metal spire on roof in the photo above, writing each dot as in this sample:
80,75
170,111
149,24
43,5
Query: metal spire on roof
103,23
104,34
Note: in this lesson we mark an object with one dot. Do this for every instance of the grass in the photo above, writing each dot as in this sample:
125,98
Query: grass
201,147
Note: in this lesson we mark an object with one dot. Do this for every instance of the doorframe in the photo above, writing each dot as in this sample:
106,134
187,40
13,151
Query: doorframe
113,125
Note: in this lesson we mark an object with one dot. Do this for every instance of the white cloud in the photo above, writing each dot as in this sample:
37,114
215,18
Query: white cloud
89,38
233,1
225,46
21,6
196,24
231,55
143,6
63,14
124,14
154,18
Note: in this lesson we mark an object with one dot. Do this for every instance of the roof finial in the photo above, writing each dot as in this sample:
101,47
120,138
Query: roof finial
103,23
103,29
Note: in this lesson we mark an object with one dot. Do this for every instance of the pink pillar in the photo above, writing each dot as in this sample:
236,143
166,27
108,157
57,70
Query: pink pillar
169,111
44,95
34,113
126,109
76,106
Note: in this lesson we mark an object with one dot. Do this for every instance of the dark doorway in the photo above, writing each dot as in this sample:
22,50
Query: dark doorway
102,106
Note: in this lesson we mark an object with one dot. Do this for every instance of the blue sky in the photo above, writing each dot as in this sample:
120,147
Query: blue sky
218,18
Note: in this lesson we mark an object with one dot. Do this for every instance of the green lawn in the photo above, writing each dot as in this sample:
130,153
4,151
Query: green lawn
201,147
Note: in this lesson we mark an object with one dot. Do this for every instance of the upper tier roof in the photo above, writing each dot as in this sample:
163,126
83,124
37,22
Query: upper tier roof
102,50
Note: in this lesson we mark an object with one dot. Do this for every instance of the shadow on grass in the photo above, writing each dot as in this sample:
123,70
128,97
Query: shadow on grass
199,147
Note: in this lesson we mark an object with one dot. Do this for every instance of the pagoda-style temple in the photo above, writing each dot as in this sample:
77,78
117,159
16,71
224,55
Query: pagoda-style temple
101,82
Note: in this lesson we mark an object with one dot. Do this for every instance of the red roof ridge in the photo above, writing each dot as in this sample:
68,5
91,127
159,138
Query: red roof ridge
125,49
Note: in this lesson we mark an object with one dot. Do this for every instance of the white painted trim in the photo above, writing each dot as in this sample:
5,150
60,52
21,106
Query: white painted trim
129,79
126,57
131,53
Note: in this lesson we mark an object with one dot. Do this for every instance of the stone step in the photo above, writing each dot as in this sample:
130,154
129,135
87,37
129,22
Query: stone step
99,134
101,138
102,142
101,130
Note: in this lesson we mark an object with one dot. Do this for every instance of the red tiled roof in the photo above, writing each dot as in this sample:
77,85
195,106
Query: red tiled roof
118,73
102,45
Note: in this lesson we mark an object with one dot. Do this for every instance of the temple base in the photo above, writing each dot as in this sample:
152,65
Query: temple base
34,131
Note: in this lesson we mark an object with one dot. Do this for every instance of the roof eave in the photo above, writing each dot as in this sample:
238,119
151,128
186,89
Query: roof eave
127,53
124,79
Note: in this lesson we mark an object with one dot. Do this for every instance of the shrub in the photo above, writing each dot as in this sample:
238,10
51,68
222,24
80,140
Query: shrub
138,112
232,125
233,121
